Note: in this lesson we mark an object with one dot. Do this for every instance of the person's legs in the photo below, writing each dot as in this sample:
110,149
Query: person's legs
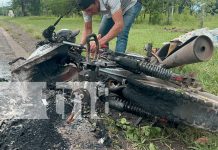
105,26
128,18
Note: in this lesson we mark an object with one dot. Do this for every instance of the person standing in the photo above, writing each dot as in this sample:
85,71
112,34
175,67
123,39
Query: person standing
117,19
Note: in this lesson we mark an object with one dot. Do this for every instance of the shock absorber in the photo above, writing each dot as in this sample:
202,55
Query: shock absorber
116,102
152,70
144,67
155,71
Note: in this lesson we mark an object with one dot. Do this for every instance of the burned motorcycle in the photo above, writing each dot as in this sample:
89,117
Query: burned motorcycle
132,83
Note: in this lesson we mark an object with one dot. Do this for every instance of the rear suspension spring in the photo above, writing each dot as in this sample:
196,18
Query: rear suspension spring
155,71
118,103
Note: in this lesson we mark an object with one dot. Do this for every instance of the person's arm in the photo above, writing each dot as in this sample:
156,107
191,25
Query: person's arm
86,31
116,29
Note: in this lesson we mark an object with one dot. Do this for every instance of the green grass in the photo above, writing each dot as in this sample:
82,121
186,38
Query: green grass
189,137
146,136
207,73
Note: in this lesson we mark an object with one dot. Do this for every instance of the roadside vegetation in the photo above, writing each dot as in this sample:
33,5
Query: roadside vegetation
148,136
147,29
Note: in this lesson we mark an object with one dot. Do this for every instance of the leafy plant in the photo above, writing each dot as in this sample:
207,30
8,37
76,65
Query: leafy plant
142,137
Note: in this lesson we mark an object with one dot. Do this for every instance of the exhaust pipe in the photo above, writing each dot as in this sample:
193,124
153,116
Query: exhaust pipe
197,50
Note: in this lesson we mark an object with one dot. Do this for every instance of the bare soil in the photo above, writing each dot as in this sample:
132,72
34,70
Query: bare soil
23,38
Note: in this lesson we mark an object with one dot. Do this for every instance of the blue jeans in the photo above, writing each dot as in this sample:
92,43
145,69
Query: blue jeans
128,18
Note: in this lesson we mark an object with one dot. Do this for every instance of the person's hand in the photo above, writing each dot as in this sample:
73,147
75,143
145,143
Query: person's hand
93,46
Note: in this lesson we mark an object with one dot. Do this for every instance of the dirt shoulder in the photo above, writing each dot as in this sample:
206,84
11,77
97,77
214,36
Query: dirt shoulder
24,39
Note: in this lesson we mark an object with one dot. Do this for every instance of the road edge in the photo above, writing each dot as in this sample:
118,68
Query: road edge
16,48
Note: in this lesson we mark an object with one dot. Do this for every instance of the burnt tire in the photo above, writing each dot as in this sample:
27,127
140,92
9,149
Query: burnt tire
165,99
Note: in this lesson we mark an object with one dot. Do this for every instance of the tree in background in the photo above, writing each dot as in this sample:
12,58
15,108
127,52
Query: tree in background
203,7
183,4
34,7
59,7
3,11
207,5
19,7
26,7
154,9
159,8
216,7
44,7
158,11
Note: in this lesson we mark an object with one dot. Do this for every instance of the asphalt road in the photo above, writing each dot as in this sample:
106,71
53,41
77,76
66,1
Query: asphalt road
6,55
9,50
